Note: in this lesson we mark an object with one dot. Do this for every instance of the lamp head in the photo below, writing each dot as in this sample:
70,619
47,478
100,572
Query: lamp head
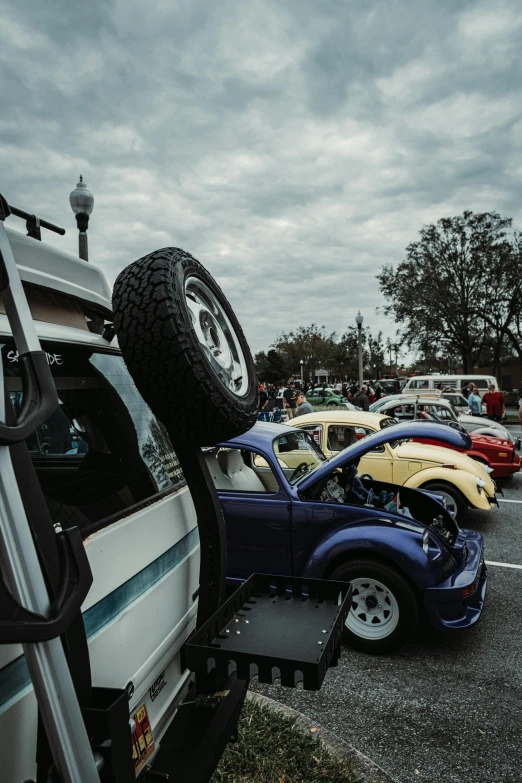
81,199
359,319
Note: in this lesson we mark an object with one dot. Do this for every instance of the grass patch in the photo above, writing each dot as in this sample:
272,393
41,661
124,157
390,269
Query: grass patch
272,749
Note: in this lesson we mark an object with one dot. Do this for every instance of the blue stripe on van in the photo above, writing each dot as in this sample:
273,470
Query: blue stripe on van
15,676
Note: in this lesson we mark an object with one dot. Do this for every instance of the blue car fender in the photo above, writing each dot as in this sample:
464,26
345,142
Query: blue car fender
399,546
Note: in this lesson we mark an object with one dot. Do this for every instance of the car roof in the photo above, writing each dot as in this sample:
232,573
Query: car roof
424,400
49,267
363,417
260,435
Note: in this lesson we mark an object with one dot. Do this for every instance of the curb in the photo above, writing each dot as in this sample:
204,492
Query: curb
367,770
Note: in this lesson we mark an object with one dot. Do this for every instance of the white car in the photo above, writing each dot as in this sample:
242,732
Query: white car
460,402
481,426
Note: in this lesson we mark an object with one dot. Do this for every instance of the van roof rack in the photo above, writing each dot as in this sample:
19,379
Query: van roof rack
33,223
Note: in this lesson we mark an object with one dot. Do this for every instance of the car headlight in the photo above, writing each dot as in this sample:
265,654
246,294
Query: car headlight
480,483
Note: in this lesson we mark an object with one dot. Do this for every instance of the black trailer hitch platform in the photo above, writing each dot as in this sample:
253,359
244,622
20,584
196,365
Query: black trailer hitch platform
275,627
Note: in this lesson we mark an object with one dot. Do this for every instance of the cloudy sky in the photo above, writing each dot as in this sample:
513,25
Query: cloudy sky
292,146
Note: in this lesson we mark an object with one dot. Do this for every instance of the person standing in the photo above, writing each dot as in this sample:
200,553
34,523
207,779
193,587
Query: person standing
263,398
378,391
474,402
519,406
494,402
467,390
289,400
302,405
361,399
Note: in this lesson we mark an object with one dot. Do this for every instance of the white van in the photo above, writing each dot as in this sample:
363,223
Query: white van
101,469
427,383
105,464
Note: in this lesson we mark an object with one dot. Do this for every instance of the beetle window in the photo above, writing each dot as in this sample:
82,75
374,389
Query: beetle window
102,452
315,431
341,437
401,412
297,450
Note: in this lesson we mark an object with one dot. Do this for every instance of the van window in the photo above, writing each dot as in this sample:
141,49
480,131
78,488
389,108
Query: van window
102,452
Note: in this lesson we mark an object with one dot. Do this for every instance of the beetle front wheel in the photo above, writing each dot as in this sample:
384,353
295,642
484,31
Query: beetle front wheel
384,609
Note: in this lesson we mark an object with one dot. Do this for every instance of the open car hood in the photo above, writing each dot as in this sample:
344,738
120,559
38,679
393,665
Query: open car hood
407,429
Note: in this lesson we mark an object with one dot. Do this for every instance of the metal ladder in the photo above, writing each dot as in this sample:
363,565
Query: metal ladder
20,565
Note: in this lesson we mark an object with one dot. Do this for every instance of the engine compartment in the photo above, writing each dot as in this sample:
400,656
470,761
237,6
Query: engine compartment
346,487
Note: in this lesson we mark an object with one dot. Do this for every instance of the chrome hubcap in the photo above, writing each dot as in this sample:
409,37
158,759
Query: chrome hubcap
216,336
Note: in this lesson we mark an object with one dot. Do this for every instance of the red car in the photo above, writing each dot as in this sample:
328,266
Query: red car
497,453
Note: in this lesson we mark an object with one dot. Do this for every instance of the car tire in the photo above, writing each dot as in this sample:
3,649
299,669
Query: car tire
460,504
185,349
398,611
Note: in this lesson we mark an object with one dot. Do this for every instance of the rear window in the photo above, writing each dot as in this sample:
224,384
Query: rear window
341,437
102,452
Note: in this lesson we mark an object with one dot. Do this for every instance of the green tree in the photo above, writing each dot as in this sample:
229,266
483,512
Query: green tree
313,344
503,302
372,350
271,366
440,291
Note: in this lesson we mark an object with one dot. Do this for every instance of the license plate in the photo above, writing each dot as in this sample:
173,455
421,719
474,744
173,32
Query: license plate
142,740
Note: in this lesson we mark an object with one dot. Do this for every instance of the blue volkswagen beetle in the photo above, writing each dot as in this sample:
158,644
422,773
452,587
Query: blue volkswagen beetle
289,510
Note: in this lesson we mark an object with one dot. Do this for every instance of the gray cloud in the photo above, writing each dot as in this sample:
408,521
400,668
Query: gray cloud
292,147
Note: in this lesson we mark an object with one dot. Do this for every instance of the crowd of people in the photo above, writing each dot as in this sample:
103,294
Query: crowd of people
295,403
294,395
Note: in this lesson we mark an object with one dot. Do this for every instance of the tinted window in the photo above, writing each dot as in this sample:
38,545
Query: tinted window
102,451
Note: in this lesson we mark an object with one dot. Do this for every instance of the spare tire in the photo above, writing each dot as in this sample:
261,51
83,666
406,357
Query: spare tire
185,349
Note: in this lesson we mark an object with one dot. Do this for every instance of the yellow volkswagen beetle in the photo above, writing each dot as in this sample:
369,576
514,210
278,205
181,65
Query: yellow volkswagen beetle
462,481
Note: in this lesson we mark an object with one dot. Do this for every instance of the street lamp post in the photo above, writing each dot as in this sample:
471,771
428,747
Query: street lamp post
302,379
82,202
359,322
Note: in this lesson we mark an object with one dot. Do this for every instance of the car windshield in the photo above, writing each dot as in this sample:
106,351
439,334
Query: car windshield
297,454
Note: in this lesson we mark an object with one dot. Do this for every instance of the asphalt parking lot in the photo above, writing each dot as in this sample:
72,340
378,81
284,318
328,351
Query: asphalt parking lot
445,708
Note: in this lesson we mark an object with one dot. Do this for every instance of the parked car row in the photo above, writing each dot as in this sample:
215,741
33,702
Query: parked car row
491,443
350,495
460,480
